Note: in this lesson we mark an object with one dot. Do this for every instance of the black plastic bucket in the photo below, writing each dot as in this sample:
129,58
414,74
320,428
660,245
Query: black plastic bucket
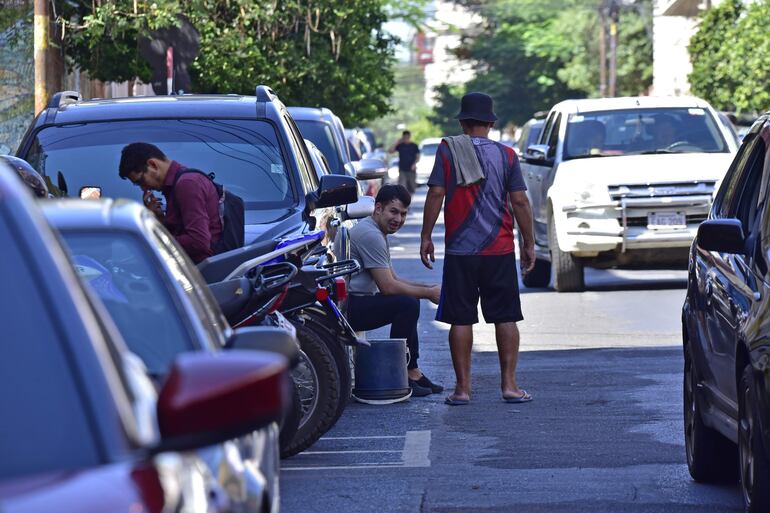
381,375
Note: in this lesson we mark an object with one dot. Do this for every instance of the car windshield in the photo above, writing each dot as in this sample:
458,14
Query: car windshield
243,154
642,131
429,150
125,278
321,135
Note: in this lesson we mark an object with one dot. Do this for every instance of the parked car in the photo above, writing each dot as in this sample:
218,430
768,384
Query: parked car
251,143
163,308
621,182
724,323
83,428
530,132
428,149
325,129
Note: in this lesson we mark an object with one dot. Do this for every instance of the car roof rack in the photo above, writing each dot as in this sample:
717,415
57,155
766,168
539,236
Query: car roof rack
59,100
264,95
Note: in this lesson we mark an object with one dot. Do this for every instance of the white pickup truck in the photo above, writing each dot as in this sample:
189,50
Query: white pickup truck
621,182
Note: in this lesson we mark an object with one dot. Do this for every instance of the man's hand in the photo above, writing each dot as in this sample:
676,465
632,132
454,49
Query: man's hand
414,167
435,294
528,258
426,253
153,203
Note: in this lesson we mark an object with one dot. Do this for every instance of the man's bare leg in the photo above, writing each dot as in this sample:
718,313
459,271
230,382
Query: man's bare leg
507,336
461,344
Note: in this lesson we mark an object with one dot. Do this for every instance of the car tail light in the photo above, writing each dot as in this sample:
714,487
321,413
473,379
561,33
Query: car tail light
340,289
150,488
322,294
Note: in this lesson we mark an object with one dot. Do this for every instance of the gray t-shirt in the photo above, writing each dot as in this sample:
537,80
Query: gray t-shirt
368,246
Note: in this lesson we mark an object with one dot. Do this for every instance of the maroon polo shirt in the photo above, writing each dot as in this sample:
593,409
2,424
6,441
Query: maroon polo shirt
196,199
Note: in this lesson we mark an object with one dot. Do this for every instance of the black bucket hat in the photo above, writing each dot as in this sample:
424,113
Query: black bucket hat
477,106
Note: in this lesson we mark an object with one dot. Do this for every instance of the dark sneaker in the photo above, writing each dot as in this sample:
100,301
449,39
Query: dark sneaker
425,382
418,390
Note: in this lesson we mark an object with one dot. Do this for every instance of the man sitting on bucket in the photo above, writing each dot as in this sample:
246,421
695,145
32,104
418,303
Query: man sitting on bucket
379,297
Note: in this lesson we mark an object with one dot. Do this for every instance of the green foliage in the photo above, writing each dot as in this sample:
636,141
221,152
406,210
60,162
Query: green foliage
727,53
312,52
408,109
447,106
534,53
710,50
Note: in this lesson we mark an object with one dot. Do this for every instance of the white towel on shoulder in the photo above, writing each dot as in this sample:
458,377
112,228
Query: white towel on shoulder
466,162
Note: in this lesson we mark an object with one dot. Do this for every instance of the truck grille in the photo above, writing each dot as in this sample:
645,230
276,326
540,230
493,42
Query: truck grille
659,190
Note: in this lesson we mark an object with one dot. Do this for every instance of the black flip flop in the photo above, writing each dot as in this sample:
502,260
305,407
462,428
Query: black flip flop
456,402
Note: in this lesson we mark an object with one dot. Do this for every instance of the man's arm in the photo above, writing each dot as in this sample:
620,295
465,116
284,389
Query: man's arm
433,204
392,149
390,285
191,203
523,214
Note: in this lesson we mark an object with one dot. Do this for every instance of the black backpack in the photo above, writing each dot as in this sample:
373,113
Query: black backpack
231,214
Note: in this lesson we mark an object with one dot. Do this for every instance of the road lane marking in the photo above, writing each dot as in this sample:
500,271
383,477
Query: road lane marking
346,452
360,437
416,451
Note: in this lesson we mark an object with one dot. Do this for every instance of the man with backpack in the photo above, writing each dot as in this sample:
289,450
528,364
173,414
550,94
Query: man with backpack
200,214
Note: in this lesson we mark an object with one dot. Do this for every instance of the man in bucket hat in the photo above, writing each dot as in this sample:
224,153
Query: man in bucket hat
484,190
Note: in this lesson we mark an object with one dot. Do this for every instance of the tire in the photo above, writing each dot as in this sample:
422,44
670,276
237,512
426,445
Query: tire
753,464
316,320
566,270
317,369
540,276
292,418
711,458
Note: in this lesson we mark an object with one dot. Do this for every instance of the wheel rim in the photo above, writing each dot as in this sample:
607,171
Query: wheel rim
689,409
745,434
306,379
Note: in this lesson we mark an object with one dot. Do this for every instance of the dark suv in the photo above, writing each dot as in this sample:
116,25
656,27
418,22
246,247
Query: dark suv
251,143
726,325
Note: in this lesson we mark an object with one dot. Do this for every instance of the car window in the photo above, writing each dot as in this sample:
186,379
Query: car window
524,137
123,275
307,175
643,131
199,295
732,187
321,135
744,206
545,134
429,150
243,154
553,140
45,426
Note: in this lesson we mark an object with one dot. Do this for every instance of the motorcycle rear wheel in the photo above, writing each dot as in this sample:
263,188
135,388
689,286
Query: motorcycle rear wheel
318,383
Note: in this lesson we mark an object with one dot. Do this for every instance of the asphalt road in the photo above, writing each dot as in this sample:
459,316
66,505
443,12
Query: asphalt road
603,434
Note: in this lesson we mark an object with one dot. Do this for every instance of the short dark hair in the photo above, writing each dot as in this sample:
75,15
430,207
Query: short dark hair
406,132
390,192
473,123
134,157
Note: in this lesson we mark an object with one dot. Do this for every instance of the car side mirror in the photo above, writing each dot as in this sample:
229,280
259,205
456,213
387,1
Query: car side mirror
362,208
370,169
722,235
266,338
537,154
333,191
209,398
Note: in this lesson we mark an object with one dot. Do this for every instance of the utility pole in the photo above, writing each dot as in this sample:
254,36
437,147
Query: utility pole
614,19
41,37
603,50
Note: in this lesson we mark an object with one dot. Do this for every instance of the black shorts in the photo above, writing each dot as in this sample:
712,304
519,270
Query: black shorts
493,278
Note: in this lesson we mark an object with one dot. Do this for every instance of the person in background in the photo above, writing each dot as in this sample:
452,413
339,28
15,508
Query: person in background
378,296
192,201
408,156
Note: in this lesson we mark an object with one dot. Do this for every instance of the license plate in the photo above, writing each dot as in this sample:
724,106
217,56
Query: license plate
666,220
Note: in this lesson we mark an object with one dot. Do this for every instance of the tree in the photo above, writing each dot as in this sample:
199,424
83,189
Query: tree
313,52
711,50
530,54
